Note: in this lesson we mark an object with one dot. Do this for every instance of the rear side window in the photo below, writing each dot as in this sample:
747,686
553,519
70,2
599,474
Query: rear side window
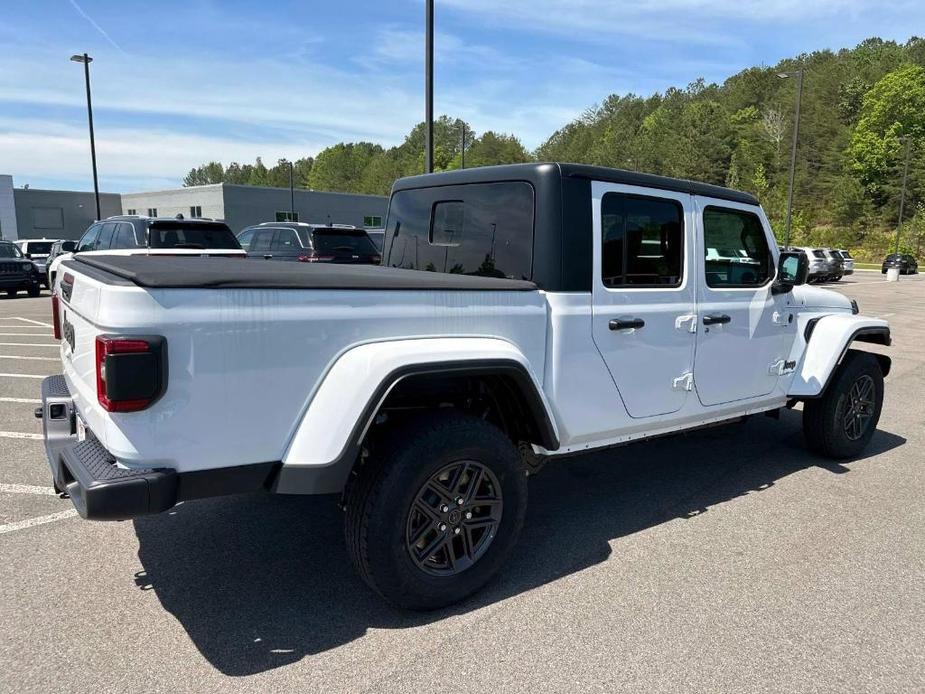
642,241
88,240
180,235
474,229
263,239
749,262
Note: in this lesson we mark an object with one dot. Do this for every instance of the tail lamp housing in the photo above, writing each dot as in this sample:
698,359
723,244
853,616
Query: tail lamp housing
131,371
56,314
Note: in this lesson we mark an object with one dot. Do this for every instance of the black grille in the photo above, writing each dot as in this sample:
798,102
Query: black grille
11,268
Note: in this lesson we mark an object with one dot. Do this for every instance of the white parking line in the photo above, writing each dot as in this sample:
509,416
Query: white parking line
21,376
34,322
27,489
41,520
24,401
26,344
18,334
19,435
8,356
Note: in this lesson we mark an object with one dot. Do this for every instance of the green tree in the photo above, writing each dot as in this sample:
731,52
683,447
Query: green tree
213,172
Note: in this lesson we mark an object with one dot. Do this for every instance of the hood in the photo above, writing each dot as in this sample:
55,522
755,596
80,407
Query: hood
815,297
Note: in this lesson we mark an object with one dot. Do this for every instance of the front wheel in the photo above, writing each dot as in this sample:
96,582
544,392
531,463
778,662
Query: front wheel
434,513
842,421
11,293
34,291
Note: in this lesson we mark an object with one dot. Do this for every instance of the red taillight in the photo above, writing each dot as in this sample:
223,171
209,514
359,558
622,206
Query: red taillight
129,372
55,315
313,257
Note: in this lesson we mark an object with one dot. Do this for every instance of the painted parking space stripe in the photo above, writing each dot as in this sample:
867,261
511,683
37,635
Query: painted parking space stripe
18,334
34,322
27,489
3,375
28,344
9,356
23,401
41,520
20,435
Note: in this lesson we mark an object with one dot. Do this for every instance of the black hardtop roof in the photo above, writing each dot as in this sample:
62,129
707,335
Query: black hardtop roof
535,171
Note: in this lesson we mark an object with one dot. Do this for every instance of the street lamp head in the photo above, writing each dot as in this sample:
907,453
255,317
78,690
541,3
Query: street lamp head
782,75
81,58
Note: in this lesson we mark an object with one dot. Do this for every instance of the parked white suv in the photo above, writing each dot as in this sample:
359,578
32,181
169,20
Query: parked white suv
523,314
37,251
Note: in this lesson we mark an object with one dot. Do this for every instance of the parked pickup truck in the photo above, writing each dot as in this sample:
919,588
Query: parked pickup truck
521,314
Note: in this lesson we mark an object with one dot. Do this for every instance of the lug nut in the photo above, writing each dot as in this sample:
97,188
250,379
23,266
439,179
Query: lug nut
444,508
442,527
459,501
456,531
468,515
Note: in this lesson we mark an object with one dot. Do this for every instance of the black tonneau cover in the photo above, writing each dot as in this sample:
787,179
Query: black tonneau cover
175,272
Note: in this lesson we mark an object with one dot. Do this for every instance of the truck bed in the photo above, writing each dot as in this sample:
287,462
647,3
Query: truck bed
232,273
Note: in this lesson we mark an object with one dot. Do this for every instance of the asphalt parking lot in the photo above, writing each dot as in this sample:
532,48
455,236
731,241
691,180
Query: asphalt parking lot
725,560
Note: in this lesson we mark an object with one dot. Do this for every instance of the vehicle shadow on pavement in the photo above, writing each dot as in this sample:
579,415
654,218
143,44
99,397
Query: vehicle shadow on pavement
262,581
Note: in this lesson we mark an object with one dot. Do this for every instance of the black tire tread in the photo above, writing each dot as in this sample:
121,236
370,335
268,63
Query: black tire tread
821,436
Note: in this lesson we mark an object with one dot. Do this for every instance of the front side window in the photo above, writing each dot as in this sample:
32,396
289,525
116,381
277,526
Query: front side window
125,237
736,249
105,239
642,241
88,240
246,237
472,229
263,239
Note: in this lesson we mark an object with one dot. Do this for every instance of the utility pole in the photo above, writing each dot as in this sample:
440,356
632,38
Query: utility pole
902,195
86,60
429,88
793,150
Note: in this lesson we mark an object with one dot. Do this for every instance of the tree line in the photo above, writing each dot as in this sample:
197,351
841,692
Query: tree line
861,108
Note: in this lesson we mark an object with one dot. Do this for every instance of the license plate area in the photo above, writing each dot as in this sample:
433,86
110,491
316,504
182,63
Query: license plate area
67,331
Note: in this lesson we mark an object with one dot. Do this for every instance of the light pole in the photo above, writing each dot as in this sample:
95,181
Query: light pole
291,195
793,150
905,139
86,60
429,88
463,166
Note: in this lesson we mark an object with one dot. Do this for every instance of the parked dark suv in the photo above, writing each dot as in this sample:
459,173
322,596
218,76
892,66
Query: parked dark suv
309,243
17,273
906,263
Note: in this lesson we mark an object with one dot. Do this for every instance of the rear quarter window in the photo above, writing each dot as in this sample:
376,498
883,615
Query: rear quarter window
474,229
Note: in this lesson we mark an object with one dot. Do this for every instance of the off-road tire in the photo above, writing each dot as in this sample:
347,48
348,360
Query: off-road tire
824,417
382,490
34,291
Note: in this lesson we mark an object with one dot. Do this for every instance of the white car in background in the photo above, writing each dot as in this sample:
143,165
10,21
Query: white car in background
37,251
138,235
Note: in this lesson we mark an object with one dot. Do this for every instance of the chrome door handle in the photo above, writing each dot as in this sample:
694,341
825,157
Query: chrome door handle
627,324
716,319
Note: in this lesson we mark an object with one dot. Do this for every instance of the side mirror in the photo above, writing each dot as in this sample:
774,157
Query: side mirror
68,246
792,270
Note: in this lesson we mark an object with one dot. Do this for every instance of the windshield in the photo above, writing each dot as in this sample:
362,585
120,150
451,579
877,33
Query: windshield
39,247
343,242
894,256
8,250
184,235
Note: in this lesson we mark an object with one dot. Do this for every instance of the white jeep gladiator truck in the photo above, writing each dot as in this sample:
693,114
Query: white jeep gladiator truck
521,313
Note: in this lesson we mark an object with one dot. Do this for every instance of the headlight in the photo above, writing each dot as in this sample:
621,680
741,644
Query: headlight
30,267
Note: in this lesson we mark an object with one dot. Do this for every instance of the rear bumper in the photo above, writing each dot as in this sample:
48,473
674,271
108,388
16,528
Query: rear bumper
102,489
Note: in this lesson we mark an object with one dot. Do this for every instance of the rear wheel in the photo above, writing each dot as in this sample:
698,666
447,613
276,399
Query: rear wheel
436,511
841,423
34,291
11,293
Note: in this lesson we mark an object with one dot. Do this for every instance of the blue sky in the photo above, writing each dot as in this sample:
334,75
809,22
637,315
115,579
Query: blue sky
177,83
